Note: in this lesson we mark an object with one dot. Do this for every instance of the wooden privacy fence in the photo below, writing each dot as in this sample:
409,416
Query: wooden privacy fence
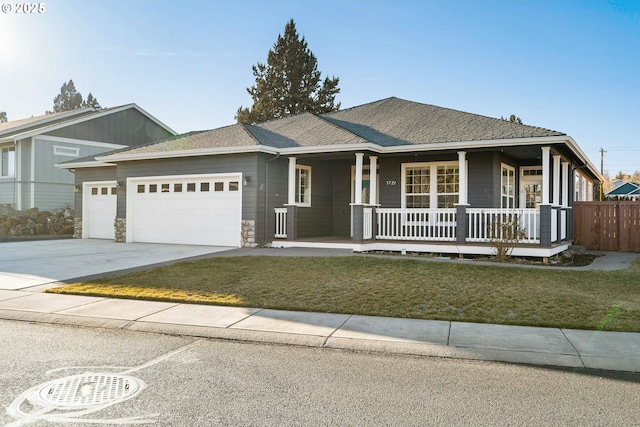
607,226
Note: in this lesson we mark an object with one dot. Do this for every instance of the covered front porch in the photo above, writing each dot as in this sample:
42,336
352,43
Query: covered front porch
542,228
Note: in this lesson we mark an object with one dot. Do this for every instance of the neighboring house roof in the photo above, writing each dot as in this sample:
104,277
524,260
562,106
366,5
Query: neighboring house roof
19,129
625,189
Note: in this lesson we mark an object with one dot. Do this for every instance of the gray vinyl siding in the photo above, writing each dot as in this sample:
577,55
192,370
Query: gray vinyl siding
484,180
275,191
128,127
342,198
51,196
317,220
91,175
8,192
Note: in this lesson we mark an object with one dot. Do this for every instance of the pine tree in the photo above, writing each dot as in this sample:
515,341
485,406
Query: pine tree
70,99
289,83
3,117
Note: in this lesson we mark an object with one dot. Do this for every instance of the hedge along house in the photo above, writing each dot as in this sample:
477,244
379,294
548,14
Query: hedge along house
388,175
32,147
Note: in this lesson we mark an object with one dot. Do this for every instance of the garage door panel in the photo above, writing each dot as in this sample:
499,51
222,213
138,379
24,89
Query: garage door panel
101,201
188,211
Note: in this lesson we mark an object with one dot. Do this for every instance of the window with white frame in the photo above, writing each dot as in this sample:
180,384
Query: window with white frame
8,167
303,185
66,151
507,187
430,185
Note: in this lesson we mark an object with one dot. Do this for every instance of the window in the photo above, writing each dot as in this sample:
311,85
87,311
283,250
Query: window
204,186
141,188
507,187
430,185
303,185
191,187
218,186
177,188
94,191
164,188
8,162
153,188
66,151
233,186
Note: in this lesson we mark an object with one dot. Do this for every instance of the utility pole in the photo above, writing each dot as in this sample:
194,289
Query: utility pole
602,161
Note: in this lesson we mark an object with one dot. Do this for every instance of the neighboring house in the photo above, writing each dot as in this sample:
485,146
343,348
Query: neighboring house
388,175
31,147
624,191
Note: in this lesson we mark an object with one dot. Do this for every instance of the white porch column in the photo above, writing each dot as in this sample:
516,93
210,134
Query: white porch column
556,180
546,151
373,180
462,175
565,184
291,198
358,184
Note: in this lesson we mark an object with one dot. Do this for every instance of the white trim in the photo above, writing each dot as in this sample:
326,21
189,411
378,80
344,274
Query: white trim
463,188
45,119
84,118
47,138
368,146
358,186
433,187
546,178
304,204
18,181
513,186
132,182
88,164
85,205
291,182
373,180
448,248
59,150
32,184
556,179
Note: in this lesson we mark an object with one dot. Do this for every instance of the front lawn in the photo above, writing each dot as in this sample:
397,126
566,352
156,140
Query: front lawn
400,287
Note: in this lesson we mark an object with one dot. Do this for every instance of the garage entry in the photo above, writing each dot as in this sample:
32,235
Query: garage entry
192,209
99,210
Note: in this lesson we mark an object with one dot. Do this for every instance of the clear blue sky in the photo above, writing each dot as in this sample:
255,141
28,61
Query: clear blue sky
570,66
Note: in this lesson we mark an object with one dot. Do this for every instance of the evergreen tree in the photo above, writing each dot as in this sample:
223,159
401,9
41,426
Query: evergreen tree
3,117
513,119
289,83
70,99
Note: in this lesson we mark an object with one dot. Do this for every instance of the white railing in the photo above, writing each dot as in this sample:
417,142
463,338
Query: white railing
281,223
367,223
484,224
416,224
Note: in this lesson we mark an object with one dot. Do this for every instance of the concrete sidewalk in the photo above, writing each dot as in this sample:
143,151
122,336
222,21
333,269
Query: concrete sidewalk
617,351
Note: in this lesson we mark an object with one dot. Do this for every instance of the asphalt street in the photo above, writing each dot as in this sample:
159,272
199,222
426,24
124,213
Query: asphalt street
61,375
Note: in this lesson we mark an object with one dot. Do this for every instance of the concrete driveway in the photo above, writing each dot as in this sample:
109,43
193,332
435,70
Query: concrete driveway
42,263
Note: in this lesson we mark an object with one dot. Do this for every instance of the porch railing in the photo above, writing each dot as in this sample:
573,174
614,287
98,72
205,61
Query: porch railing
416,224
281,223
485,225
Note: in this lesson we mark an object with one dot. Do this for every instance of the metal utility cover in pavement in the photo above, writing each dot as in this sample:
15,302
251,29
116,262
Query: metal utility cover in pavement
89,389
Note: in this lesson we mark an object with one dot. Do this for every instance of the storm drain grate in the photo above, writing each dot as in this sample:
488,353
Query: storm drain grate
88,389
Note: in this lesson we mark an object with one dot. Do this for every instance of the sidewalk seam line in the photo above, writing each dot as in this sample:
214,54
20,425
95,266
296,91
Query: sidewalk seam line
241,320
324,343
156,312
573,346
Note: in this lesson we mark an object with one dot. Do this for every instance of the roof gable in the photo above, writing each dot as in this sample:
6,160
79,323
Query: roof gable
626,189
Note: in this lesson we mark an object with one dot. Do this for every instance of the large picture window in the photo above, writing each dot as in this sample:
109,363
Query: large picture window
303,185
8,167
430,185
507,187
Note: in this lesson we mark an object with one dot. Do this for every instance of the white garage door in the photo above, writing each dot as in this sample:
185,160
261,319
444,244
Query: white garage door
195,210
99,203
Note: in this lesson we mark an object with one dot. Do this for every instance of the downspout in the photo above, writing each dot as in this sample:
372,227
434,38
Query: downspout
266,198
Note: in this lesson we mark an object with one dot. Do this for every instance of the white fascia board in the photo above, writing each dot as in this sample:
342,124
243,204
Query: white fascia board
80,142
94,164
97,114
190,153
368,146
46,120
578,151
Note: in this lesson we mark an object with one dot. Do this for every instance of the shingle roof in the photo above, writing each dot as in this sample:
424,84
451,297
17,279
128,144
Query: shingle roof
394,121
389,122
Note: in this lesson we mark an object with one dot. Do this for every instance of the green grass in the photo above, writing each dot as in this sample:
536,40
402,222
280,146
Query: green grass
400,287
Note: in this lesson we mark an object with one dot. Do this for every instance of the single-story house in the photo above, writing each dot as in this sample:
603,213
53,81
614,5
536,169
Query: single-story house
624,191
32,147
388,175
